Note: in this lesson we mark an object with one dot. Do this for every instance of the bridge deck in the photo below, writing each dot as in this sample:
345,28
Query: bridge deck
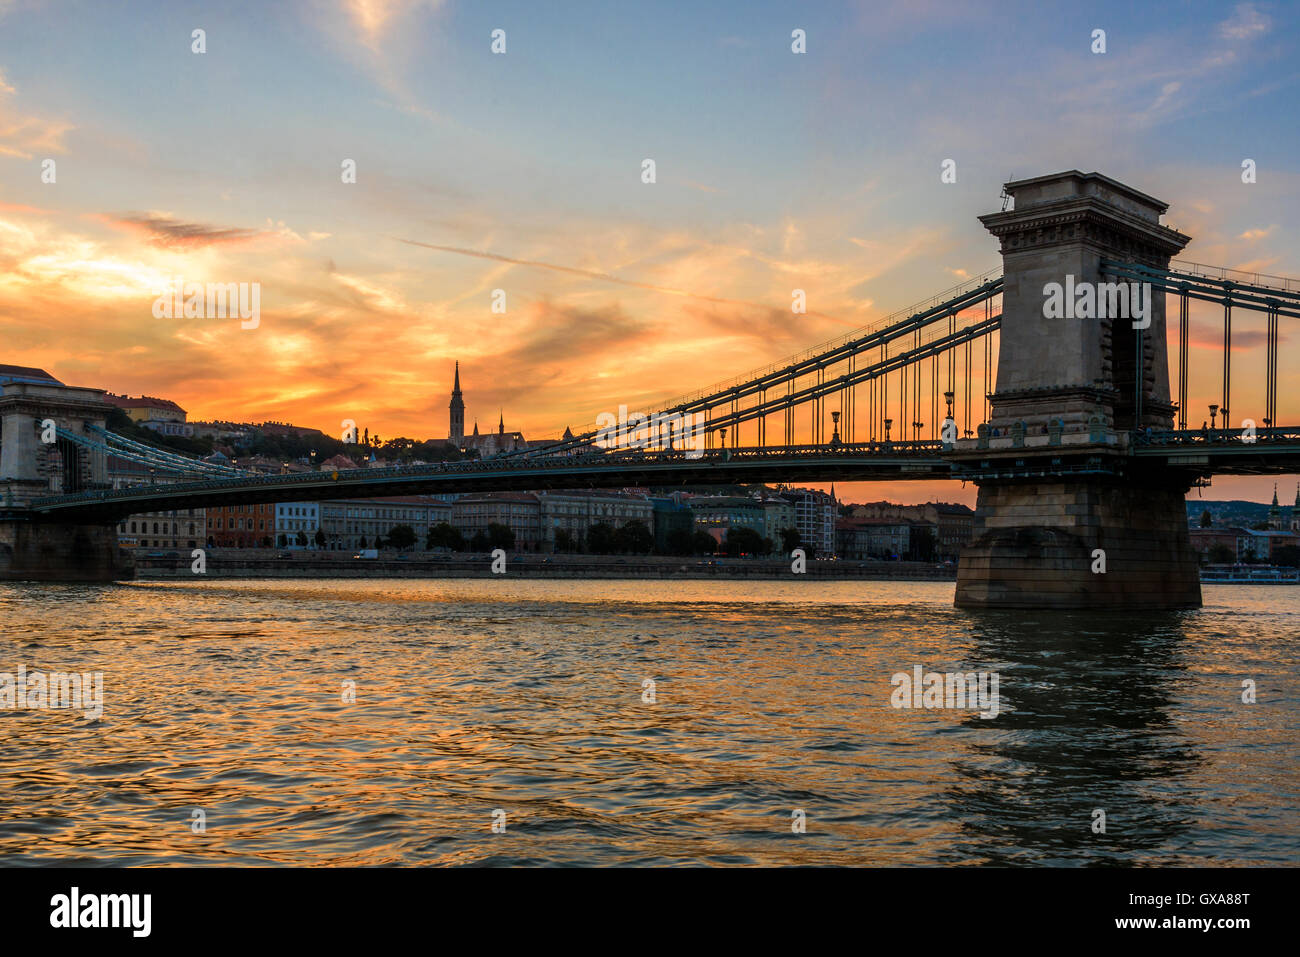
1274,451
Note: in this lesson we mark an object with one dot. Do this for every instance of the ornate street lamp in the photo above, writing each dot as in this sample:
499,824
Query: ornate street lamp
1214,410
835,434
888,423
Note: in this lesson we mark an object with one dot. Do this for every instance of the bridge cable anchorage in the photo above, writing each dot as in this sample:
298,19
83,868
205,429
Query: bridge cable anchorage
856,343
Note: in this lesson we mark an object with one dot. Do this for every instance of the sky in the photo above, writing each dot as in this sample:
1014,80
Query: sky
522,172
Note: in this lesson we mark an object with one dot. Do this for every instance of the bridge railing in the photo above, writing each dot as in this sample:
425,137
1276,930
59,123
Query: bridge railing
1224,274
1215,436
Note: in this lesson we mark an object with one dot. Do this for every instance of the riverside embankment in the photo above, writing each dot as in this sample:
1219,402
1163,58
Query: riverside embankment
269,563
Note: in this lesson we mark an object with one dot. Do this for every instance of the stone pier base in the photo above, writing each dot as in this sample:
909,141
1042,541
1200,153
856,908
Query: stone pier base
47,551
1034,545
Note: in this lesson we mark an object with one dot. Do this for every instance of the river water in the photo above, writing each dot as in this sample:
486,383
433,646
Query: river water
772,705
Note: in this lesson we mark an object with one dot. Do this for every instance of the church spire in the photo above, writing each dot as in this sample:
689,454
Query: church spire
456,426
501,422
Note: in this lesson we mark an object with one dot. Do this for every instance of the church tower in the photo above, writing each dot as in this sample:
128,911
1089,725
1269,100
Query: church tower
456,432
1274,513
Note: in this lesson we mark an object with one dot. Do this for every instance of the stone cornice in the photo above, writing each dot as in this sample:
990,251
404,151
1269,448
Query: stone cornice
1083,220
1049,392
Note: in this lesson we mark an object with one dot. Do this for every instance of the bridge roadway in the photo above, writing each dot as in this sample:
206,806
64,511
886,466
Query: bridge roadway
817,464
1195,454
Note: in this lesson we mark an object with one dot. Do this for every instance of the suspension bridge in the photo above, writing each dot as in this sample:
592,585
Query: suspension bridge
1067,426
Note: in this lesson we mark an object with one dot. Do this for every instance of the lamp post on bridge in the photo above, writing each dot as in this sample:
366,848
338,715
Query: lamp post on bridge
1214,410
835,433
888,423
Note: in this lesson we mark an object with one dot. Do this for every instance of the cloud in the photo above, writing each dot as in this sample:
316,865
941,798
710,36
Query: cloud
161,229
1245,23
24,136
376,18
369,295
20,208
602,276
1253,234
382,38
1166,92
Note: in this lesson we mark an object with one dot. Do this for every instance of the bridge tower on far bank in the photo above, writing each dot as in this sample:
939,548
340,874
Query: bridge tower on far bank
1064,517
33,406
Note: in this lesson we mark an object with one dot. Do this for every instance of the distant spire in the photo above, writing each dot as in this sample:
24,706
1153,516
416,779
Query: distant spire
456,423
1275,495
1297,494
501,423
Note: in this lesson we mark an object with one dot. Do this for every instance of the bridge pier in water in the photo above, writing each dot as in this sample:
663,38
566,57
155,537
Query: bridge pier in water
59,551
1036,547
1057,488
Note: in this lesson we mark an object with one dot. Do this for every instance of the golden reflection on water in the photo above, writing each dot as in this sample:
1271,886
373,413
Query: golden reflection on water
526,696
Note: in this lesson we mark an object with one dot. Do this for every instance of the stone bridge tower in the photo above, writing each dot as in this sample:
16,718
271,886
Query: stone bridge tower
1060,498
32,547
